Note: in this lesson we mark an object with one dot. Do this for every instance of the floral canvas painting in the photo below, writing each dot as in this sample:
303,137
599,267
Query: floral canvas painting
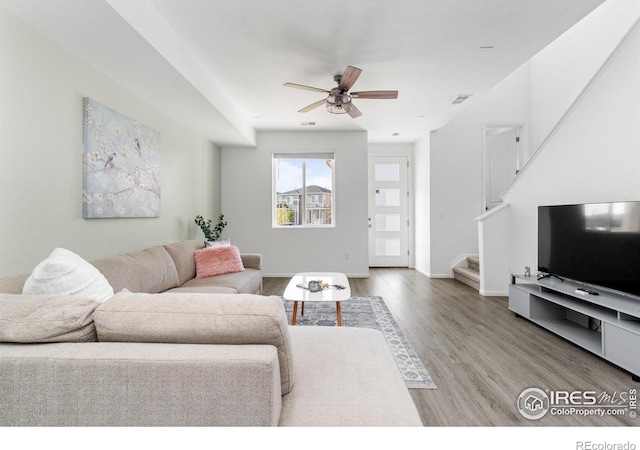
121,165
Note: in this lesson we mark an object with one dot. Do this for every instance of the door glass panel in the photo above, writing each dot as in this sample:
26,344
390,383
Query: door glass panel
387,197
387,222
387,247
387,172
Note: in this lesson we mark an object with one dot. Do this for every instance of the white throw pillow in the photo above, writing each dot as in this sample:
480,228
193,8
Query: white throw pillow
65,273
221,243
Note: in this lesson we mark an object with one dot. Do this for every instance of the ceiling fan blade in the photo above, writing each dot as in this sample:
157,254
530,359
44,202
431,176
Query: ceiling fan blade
349,77
375,94
306,88
354,111
312,106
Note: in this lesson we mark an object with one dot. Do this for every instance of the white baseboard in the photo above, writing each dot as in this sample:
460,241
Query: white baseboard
432,275
290,275
422,271
494,293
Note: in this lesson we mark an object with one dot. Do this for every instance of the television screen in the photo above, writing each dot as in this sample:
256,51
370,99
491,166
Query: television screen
595,243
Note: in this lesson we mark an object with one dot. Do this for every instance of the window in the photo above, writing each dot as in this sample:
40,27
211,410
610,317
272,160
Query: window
303,189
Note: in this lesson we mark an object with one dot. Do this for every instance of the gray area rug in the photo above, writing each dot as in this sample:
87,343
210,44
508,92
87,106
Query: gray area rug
369,312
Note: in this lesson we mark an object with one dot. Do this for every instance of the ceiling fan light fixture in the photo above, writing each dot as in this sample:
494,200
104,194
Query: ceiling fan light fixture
338,108
338,103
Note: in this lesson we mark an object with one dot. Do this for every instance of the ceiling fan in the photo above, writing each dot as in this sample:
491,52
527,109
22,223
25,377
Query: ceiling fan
338,100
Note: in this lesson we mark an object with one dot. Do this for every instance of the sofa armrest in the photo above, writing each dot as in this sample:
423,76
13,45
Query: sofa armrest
252,260
139,384
13,285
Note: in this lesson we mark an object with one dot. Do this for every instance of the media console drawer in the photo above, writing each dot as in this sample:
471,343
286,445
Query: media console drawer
622,347
519,301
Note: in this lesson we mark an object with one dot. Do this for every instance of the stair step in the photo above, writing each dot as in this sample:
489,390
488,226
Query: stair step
467,272
467,276
473,262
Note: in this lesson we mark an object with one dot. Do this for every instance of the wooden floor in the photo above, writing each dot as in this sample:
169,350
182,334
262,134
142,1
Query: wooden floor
480,355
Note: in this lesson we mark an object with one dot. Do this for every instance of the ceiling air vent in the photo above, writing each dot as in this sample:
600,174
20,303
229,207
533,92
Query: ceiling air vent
460,98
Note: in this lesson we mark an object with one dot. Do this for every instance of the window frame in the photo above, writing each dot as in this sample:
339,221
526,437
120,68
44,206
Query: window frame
275,157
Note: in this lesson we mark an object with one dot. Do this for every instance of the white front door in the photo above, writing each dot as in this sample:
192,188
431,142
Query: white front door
388,211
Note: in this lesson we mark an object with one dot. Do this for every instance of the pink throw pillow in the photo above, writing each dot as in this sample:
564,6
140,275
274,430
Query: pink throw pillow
212,261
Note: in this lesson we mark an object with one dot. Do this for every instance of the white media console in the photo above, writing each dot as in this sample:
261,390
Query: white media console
606,324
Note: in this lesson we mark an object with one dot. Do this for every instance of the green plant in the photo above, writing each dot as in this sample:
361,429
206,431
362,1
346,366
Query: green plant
211,233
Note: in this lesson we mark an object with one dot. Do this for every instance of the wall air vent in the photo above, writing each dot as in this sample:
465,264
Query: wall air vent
460,98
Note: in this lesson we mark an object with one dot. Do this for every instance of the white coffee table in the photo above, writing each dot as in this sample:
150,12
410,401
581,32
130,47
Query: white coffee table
331,294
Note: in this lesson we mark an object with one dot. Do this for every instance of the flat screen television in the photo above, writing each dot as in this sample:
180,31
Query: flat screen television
595,243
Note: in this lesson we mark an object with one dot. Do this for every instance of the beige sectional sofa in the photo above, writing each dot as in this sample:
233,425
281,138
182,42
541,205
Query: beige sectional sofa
166,350
166,268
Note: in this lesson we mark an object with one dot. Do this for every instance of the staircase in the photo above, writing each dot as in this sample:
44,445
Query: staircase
469,275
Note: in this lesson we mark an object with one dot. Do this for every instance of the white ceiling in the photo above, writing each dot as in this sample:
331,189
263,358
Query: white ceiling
221,64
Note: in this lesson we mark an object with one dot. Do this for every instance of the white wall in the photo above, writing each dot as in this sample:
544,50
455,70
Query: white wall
563,69
247,201
593,156
422,205
456,169
41,132
397,149
539,93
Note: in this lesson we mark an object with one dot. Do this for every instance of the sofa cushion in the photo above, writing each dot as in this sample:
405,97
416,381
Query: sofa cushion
38,318
203,289
150,270
212,261
65,273
249,281
183,318
182,254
